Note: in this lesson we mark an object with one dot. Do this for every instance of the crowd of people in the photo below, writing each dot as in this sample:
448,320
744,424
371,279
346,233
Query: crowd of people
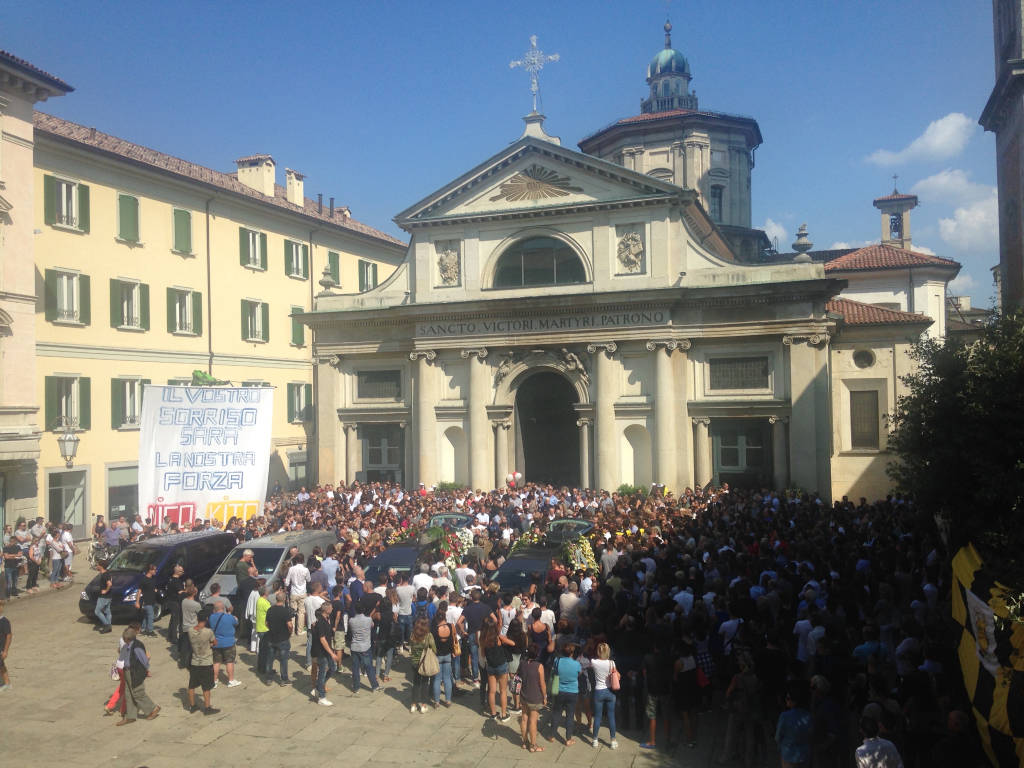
31,548
819,633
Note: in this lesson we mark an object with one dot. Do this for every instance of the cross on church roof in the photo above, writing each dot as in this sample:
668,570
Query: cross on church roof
533,62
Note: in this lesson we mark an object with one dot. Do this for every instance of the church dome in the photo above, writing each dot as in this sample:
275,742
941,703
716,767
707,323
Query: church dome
668,61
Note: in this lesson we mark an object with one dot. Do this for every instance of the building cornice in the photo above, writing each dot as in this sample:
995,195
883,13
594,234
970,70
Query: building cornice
1002,100
199,359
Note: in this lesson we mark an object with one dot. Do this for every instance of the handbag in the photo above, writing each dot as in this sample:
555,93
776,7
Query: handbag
585,683
429,665
614,679
515,684
456,645
553,685
115,673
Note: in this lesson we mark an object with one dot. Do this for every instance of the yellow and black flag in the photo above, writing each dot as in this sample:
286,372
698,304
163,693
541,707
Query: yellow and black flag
991,657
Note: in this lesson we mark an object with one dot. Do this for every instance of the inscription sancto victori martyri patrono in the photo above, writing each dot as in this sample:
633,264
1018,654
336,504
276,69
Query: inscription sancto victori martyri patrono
541,323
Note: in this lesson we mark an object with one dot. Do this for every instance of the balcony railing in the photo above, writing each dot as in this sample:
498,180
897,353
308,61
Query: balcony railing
67,220
68,315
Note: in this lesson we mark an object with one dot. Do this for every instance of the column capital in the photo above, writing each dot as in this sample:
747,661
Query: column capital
608,347
497,424
814,340
670,345
701,421
479,352
332,360
349,426
427,354
584,421
778,420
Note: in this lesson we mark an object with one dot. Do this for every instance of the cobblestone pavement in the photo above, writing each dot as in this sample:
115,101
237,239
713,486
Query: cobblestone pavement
60,673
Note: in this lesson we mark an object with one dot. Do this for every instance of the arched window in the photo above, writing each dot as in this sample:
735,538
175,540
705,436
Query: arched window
539,261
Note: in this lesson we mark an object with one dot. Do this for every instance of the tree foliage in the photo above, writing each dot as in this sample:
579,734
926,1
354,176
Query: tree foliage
959,436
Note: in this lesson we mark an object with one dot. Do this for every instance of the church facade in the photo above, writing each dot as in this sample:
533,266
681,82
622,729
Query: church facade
607,317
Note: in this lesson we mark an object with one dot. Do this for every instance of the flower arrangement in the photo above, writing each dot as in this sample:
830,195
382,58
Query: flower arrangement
579,555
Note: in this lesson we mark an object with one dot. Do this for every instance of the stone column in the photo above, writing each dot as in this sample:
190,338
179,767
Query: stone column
425,419
501,467
780,452
604,414
351,449
479,449
406,453
584,423
809,432
702,451
666,403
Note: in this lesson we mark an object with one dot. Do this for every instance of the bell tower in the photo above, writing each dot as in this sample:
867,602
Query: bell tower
669,77
896,210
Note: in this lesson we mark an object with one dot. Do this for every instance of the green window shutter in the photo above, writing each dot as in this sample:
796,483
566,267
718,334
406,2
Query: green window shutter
51,414
291,403
84,300
50,294
245,320
49,200
182,231
144,306
84,403
307,414
373,269
115,303
172,314
362,275
298,329
83,207
335,266
243,246
288,258
263,251
305,261
265,309
128,218
143,383
197,313
116,403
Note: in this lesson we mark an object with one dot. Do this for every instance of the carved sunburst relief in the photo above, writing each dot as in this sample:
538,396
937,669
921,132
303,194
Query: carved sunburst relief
535,183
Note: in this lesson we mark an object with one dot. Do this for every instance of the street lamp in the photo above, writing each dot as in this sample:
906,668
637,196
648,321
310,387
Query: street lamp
68,443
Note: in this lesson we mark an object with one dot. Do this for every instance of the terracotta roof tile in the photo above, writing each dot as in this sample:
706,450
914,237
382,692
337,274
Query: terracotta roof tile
90,137
894,196
10,58
859,313
252,158
677,113
885,257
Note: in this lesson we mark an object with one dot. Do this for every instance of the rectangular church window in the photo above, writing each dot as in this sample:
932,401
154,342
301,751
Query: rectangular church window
864,419
738,373
379,385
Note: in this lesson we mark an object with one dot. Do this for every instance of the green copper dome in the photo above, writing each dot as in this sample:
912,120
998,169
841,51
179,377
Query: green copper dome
668,61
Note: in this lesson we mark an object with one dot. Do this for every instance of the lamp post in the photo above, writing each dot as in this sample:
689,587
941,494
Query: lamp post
68,441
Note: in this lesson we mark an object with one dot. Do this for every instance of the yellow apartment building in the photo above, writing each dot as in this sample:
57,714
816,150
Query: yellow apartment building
22,86
149,267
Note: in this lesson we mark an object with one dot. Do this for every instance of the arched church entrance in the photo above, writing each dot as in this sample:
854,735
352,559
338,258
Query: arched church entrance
547,438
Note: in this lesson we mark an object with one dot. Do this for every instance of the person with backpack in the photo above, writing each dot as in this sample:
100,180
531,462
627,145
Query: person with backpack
444,639
421,640
423,607
136,671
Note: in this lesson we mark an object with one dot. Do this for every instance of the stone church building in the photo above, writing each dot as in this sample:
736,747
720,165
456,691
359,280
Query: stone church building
609,316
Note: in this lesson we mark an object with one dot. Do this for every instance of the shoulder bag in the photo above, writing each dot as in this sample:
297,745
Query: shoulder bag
429,665
614,680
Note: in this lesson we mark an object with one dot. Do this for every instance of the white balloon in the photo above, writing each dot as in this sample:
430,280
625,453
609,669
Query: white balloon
518,476
509,477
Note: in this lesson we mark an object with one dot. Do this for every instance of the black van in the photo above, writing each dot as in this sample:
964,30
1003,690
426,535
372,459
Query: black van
200,553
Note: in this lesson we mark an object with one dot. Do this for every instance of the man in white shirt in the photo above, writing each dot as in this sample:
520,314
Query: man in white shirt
442,579
684,599
311,605
296,581
423,579
461,574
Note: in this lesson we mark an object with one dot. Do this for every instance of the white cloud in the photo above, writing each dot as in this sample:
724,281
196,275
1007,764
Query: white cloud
942,139
963,285
775,230
922,249
974,227
951,186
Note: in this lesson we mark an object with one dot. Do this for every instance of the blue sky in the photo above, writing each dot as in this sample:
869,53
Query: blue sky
380,103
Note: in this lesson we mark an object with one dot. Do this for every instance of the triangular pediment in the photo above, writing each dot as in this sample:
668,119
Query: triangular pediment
533,174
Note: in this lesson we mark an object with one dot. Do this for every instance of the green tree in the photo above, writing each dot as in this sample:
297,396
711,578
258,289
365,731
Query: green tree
959,437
